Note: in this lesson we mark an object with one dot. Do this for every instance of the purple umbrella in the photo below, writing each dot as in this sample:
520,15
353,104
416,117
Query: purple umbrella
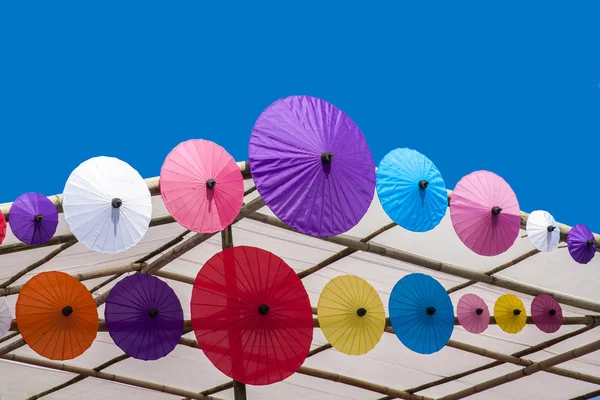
33,218
144,317
581,244
312,166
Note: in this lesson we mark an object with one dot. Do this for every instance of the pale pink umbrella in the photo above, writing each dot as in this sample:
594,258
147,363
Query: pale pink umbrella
485,213
472,313
201,186
546,313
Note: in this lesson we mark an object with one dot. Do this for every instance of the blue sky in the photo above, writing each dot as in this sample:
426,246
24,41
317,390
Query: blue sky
511,88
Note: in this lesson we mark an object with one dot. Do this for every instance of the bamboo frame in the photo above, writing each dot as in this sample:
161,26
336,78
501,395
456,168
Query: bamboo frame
104,376
533,349
434,265
529,370
353,245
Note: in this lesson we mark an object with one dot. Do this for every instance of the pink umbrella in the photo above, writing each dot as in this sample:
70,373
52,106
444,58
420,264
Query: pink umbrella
546,313
201,186
472,313
485,213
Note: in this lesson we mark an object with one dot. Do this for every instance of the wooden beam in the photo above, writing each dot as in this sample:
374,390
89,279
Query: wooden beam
79,378
530,350
434,265
346,380
104,376
70,238
37,264
529,370
7,291
493,271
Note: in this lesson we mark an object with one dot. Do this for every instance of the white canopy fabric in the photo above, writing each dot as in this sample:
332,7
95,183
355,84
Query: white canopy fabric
390,364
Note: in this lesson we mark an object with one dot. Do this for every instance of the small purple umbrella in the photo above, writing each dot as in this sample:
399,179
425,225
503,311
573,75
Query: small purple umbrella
144,317
312,166
581,244
33,218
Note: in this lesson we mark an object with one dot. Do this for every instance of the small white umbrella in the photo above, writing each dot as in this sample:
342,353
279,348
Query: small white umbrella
542,231
5,318
107,205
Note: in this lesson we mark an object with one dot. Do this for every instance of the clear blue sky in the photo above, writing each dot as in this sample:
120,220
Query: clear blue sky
512,88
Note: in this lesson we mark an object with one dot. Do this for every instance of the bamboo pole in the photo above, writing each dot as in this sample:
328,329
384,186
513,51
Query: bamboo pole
493,271
533,349
37,264
587,396
427,263
529,370
107,377
79,378
346,380
152,183
505,358
7,291
70,238
343,253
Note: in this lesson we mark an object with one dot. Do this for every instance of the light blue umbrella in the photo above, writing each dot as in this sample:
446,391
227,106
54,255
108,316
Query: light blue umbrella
421,313
411,190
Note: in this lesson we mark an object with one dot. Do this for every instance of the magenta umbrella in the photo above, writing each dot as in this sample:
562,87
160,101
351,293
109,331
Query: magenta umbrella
472,313
546,313
485,213
311,165
581,244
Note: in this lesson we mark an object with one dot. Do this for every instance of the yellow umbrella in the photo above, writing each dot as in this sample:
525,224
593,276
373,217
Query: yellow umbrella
510,313
351,315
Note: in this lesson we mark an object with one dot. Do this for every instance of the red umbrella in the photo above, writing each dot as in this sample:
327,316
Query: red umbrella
2,228
251,315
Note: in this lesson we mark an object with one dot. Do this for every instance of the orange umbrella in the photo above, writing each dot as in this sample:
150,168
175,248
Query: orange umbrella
57,315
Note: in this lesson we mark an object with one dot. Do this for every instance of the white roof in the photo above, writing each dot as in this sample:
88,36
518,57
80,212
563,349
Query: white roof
390,364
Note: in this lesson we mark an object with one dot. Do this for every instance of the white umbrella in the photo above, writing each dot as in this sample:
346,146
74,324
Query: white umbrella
542,231
5,318
107,205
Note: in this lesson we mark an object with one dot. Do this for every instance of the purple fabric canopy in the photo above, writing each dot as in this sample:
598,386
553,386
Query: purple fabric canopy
581,243
312,166
33,218
144,317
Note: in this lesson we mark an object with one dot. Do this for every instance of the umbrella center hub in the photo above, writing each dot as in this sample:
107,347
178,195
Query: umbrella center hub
211,183
551,228
590,242
496,210
430,310
116,202
153,313
516,311
263,309
552,312
479,311
326,157
38,218
423,184
361,312
67,310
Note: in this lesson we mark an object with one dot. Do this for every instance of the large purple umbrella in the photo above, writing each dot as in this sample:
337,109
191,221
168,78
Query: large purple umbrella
144,317
33,218
581,243
312,166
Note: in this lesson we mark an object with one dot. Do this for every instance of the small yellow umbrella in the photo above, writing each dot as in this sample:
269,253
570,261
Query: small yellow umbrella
351,315
510,313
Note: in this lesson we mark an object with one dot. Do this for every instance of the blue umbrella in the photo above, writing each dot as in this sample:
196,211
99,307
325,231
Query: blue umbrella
421,313
411,190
